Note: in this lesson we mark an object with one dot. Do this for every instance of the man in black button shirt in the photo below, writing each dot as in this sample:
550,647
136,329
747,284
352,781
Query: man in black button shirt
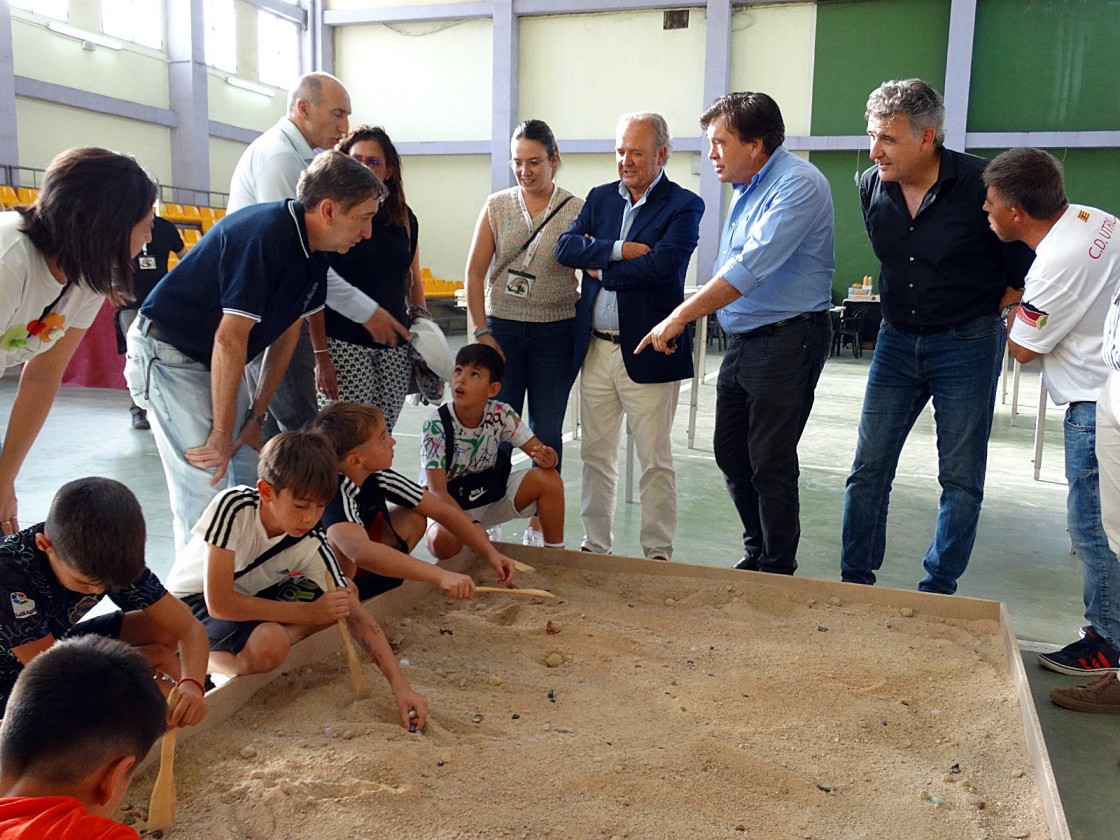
944,279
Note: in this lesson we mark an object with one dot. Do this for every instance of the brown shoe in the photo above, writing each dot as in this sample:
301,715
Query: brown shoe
1101,696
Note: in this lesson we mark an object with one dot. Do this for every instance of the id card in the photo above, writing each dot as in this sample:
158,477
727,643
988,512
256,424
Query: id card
519,283
147,263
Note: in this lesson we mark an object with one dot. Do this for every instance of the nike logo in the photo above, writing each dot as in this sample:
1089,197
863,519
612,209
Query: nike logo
476,494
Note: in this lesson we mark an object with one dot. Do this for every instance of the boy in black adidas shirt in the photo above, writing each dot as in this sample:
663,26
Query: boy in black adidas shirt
378,516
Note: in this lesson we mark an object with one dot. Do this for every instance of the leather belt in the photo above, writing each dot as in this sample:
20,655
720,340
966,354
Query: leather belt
147,327
768,329
613,338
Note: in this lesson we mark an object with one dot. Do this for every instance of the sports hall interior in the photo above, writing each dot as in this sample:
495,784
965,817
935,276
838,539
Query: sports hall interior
185,85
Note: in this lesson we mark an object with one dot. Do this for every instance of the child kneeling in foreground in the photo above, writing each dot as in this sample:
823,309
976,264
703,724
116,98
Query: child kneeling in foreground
479,425
372,537
258,570
80,718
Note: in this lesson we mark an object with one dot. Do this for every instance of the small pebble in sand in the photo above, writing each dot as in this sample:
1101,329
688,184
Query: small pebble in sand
906,612
286,787
495,680
554,660
670,602
976,801
551,629
740,827
476,719
348,735
328,731
834,601
248,752
405,663
515,716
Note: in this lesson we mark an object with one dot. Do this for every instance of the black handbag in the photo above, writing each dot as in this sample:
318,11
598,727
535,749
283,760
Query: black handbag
475,489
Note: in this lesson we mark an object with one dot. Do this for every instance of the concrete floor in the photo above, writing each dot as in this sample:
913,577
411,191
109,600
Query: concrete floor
1022,554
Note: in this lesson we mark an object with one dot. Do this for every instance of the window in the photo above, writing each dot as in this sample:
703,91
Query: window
139,21
277,50
220,22
57,9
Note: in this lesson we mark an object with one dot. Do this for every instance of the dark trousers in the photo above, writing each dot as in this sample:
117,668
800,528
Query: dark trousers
294,402
763,398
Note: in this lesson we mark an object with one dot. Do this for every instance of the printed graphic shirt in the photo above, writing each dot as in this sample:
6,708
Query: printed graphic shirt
475,449
33,604
1068,290
233,521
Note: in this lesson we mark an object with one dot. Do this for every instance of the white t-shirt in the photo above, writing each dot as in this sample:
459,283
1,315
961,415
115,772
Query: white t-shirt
233,521
29,323
270,167
476,449
1066,299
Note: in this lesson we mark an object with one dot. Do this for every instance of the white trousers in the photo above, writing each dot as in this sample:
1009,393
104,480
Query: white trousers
1108,458
606,393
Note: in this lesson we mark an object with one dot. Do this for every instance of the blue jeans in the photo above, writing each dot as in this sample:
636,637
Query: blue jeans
175,391
958,369
1099,564
539,361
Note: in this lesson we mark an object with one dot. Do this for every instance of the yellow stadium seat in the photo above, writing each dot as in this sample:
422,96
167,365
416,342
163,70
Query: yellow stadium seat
436,288
27,195
172,260
210,216
8,196
190,236
183,214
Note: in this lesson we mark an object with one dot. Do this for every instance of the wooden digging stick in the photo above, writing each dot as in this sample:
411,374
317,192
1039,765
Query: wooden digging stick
524,568
357,675
161,810
531,593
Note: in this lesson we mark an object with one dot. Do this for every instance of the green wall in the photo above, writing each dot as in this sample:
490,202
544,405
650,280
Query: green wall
1045,65
861,44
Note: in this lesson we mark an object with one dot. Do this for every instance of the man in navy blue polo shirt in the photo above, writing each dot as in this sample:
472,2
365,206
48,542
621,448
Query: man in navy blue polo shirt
239,293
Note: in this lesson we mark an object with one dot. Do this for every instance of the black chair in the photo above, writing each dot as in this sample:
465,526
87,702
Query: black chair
847,328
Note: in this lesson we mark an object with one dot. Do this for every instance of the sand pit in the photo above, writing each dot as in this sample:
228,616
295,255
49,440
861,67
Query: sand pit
633,705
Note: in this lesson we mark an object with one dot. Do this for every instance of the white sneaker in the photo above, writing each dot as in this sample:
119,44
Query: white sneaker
533,537
495,533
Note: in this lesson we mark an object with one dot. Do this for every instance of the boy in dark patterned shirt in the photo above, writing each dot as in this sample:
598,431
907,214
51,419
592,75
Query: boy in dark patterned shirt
53,573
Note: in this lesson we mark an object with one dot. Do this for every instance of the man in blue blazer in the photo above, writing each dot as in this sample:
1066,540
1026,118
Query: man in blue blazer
633,240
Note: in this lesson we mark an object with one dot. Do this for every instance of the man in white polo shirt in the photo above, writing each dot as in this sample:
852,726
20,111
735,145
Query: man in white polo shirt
1061,320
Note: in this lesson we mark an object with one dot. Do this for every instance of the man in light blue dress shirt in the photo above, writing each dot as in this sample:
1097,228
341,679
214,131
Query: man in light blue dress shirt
772,287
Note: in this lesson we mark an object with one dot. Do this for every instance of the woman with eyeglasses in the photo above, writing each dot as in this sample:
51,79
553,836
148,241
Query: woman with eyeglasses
354,366
521,300
60,259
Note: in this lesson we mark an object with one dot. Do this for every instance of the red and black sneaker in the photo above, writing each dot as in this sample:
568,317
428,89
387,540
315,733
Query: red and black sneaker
1090,655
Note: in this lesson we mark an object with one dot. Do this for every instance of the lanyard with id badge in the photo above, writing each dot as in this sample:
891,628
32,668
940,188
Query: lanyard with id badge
519,281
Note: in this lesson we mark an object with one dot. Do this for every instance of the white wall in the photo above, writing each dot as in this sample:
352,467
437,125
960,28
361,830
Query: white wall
427,81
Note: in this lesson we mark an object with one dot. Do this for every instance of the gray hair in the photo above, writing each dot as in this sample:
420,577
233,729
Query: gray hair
913,98
310,88
1028,178
661,137
340,178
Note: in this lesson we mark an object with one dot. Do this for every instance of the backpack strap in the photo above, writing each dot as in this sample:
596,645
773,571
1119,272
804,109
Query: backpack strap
287,542
448,436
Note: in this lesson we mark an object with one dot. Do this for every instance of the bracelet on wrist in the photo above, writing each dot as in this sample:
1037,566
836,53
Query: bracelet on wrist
201,687
257,418
317,352
480,332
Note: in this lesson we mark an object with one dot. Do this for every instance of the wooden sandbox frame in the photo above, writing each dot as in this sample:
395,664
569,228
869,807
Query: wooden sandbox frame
227,700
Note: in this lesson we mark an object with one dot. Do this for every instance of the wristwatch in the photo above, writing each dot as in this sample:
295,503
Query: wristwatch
1007,310
259,418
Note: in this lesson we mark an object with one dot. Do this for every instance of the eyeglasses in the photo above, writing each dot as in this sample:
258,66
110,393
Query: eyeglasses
531,163
371,162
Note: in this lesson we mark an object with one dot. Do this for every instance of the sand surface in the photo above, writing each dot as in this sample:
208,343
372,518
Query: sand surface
632,706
